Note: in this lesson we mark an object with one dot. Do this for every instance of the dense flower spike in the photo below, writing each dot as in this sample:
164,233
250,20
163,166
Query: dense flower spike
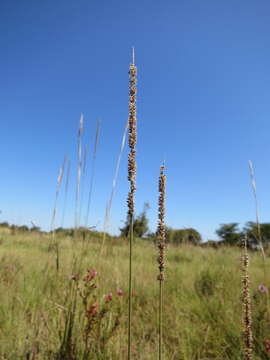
132,122
161,237
247,320
132,137
161,224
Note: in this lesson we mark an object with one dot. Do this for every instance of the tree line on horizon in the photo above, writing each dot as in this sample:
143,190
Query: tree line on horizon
228,234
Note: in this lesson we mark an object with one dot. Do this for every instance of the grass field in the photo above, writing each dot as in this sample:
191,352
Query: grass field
202,301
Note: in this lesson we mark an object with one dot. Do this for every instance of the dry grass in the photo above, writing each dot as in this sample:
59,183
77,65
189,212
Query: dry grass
202,304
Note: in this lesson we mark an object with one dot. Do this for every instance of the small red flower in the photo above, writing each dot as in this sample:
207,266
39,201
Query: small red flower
120,292
267,345
93,310
108,297
90,275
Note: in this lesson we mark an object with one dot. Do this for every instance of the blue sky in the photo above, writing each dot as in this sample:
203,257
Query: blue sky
203,104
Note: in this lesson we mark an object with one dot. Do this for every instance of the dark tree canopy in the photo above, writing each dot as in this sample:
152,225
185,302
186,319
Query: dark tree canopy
229,233
183,236
140,224
252,233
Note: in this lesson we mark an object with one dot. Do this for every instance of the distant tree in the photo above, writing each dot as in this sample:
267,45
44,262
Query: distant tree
35,229
23,228
140,224
229,234
251,231
4,224
183,236
212,243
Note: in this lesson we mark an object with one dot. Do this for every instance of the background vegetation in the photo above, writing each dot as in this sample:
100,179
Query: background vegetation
42,315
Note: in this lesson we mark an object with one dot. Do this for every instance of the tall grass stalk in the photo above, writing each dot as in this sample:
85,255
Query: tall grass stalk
259,234
161,247
66,192
132,180
109,204
58,187
247,314
254,188
93,170
79,170
84,171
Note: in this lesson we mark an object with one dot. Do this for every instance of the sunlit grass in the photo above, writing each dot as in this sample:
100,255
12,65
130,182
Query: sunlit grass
202,307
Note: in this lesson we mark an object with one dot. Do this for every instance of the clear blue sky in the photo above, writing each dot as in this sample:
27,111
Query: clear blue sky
203,104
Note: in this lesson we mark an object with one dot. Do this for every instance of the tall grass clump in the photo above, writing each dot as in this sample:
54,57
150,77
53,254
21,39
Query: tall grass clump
132,180
161,248
247,318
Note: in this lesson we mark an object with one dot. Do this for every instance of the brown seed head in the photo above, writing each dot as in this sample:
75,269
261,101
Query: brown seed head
132,137
161,231
247,318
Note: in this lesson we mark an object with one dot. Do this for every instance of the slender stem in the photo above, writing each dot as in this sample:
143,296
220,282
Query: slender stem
109,204
66,193
79,168
58,187
130,283
161,233
92,173
246,303
132,121
160,319
254,188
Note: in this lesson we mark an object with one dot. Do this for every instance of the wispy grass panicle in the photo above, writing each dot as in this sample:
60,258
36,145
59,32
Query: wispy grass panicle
247,315
161,237
79,171
83,176
132,121
254,188
259,233
92,172
66,191
58,187
114,182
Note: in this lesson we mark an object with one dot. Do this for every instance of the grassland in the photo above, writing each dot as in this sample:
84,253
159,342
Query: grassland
202,300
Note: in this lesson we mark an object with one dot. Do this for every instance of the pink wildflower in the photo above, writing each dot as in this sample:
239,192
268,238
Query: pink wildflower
120,292
267,345
262,288
93,310
108,297
90,275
